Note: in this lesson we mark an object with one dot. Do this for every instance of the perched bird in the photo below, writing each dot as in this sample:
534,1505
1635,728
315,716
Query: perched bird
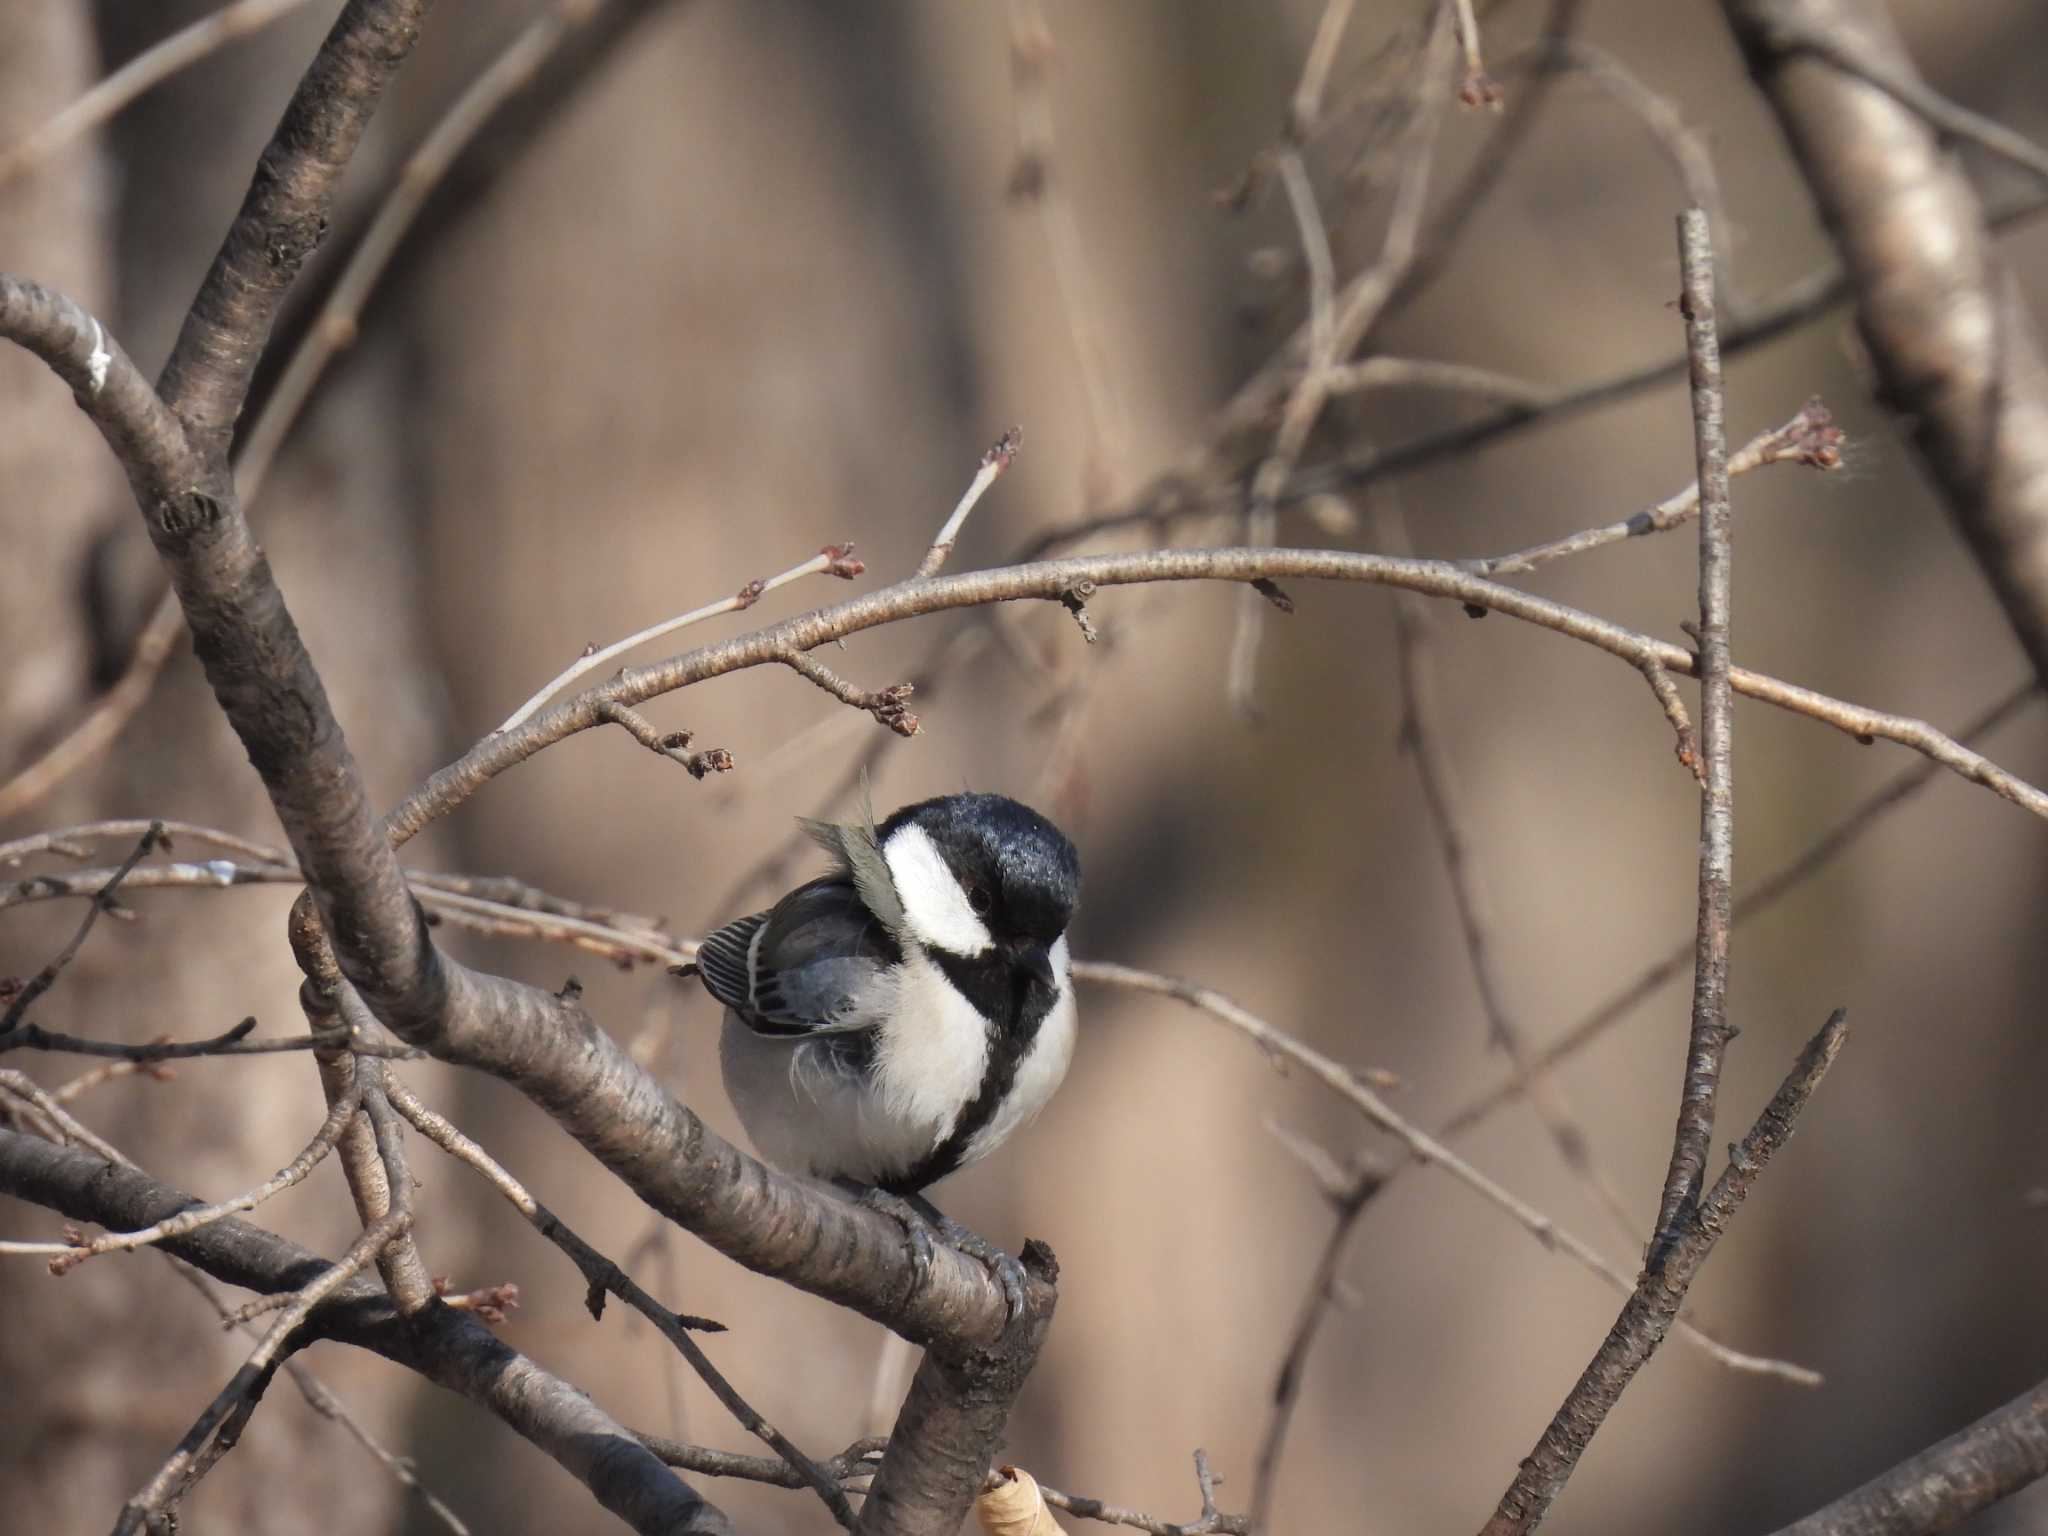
897,1019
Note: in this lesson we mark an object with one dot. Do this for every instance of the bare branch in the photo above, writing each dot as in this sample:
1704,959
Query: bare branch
833,560
68,1256
1758,899
1657,1297
446,1346
992,465
102,899
1711,1030
142,73
669,744
887,705
282,221
1956,350
1948,1482
1047,580
145,435
1348,1196
603,1276
952,1421
1353,1086
228,1410
1809,438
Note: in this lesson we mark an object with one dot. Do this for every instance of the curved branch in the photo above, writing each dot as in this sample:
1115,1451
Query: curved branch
1051,579
145,435
448,1347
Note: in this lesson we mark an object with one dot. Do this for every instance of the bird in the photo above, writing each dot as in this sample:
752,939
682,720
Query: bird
900,1017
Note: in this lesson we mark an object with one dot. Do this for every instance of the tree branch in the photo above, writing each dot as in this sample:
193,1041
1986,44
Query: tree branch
1710,1030
1648,1315
282,221
1049,579
1949,1481
1956,350
448,1347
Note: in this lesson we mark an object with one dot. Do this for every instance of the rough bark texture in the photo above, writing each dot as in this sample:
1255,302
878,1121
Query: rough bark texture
1956,348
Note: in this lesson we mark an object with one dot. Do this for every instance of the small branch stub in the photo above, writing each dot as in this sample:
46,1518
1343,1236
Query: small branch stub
1075,601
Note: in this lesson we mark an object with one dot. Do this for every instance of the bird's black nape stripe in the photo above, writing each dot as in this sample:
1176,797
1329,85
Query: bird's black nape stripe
1015,1009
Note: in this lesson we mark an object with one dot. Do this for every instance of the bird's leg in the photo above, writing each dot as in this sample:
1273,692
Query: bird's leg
917,1229
922,1222
1007,1272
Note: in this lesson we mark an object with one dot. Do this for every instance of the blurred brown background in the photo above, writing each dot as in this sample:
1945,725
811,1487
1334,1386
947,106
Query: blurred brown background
757,287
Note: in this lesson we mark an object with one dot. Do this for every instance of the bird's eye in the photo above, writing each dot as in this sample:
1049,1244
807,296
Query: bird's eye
979,900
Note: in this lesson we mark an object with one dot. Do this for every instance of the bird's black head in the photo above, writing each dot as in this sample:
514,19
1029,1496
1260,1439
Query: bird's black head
974,870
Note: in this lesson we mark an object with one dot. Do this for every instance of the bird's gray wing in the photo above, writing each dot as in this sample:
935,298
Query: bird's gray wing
809,965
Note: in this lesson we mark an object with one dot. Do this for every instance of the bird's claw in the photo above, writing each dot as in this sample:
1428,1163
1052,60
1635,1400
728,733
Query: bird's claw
922,1226
1002,1268
917,1232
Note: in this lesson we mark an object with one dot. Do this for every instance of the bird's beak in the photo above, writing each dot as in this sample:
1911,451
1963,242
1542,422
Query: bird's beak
1036,962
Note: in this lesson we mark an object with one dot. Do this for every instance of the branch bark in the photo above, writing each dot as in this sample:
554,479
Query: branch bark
1949,1481
1957,352
1649,1313
448,1347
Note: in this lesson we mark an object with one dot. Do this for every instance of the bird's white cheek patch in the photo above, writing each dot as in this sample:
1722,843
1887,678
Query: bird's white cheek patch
932,899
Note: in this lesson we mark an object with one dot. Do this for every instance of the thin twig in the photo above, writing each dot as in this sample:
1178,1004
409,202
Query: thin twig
65,1257
1710,1032
1352,1086
70,841
1810,438
672,745
1422,732
46,978
992,465
1348,1191
323,1400
603,1275
834,559
142,73
245,1387
1047,580
1478,88
1655,1301
1336,325
888,705
65,1126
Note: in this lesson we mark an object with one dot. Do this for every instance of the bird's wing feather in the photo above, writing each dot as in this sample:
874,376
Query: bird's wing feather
859,851
808,966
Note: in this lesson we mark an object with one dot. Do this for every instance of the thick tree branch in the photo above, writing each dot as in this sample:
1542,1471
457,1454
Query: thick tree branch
145,435
952,1422
1957,352
1949,1481
283,219
448,1347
